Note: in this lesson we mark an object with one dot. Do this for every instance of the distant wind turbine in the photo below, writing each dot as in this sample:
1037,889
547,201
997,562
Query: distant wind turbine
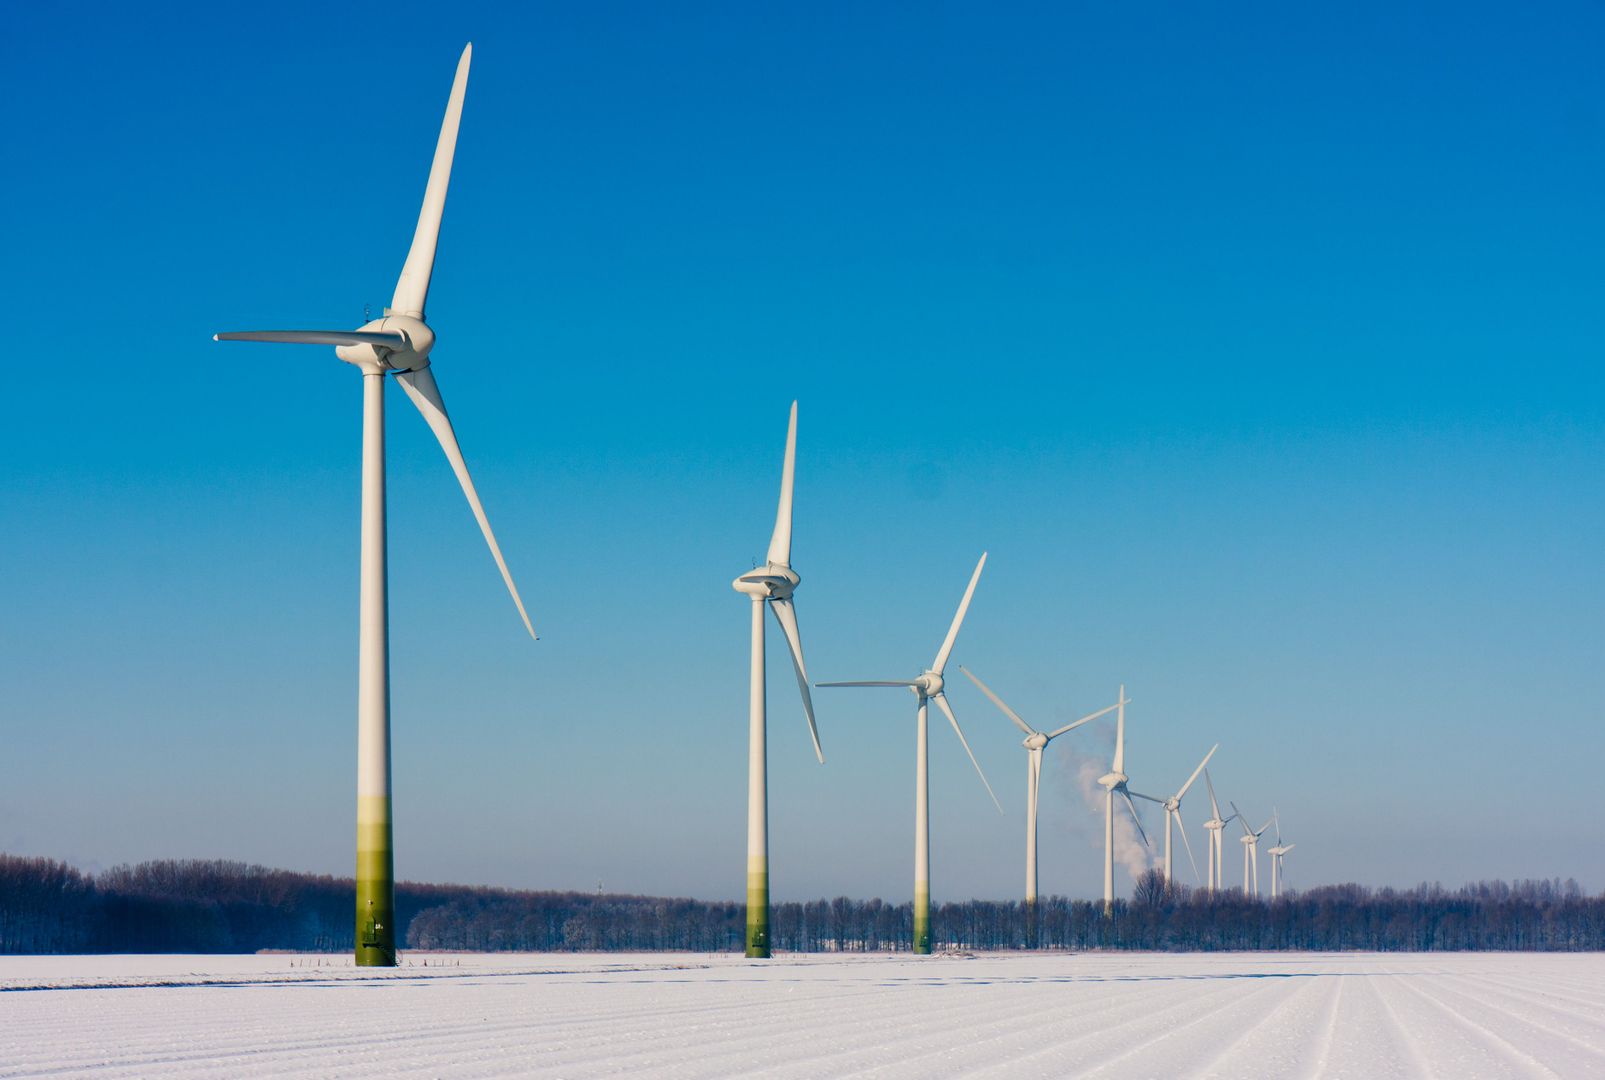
1215,825
1250,842
927,688
773,585
1276,854
1035,742
1172,807
400,342
1112,781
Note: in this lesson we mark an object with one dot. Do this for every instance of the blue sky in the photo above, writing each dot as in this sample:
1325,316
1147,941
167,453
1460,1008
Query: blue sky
1260,347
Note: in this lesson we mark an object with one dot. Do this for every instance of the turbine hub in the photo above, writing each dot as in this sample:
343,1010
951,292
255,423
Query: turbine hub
1247,839
1112,780
1172,804
378,358
767,582
1035,741
930,684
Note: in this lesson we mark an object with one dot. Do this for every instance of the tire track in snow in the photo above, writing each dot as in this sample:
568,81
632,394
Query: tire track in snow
1516,1061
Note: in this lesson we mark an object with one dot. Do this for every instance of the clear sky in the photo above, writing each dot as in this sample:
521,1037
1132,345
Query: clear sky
1260,345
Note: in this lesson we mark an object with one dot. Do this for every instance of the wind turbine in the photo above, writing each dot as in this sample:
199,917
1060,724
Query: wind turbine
1250,842
1035,742
1276,854
773,585
928,688
1172,807
1115,780
399,342
1215,824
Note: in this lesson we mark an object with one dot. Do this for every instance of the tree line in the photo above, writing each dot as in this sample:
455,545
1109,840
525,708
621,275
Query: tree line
215,906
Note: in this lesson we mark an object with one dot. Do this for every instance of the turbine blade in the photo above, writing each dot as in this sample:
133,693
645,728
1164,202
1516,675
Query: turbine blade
425,394
1288,848
1196,771
1263,827
1150,798
317,337
412,288
958,619
866,683
1213,805
1137,820
780,540
786,616
1120,733
1084,720
1186,843
1241,820
1010,713
941,701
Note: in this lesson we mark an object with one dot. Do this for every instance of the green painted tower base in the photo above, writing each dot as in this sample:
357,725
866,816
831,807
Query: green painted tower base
922,920
376,884
757,908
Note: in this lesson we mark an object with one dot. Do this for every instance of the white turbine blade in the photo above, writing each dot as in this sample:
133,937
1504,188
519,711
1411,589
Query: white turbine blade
1010,713
941,701
780,540
765,579
1196,771
892,683
317,337
1120,733
1213,805
1084,720
412,288
1288,848
1150,798
425,394
1241,820
1276,816
786,616
958,619
1186,843
1263,827
1135,819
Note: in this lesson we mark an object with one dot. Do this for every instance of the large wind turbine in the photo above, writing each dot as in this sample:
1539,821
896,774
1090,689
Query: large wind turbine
1250,842
927,688
1172,807
1035,742
1115,780
1215,825
400,342
1276,854
773,585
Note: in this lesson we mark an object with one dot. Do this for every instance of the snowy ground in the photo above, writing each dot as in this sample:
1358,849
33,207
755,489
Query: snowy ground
1145,1015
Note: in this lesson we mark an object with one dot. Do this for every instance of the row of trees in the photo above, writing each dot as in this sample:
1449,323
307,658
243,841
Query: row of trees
217,906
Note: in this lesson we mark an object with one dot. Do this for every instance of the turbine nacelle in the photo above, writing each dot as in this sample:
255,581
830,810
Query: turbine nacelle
770,583
416,341
1113,780
928,685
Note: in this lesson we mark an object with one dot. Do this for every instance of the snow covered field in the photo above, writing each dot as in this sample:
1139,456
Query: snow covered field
1143,1015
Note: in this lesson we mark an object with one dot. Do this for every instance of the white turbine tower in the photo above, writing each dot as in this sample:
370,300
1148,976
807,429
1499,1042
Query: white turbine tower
1276,854
1172,807
927,688
400,342
772,585
1115,780
1215,825
1250,842
1035,742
